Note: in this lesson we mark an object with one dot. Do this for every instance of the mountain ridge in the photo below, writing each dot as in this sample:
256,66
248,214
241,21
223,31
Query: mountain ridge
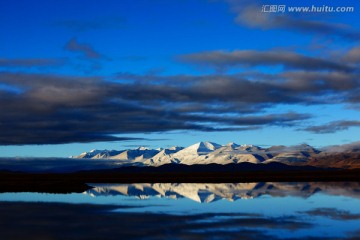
212,153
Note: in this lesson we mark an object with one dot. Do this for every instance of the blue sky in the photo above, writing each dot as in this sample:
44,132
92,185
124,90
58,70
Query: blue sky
78,75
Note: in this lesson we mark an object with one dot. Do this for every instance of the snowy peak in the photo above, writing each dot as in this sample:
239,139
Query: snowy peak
172,150
209,145
250,148
175,148
232,145
192,154
89,154
142,148
106,154
165,156
136,154
202,148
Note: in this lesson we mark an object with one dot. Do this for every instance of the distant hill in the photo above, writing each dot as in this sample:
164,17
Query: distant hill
347,160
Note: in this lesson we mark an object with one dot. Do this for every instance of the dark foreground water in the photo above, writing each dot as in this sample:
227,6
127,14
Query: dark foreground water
186,211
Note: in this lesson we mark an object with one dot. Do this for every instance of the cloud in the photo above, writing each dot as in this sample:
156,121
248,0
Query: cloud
304,87
335,82
249,14
50,109
43,108
333,127
85,50
353,55
285,119
251,58
30,62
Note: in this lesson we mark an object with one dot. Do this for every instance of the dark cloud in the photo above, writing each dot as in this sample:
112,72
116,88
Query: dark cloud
40,109
353,55
58,109
84,49
287,119
320,81
249,14
312,80
247,92
333,127
31,62
93,24
270,119
250,58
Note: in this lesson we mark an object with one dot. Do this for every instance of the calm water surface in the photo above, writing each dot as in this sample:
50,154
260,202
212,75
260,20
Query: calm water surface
188,211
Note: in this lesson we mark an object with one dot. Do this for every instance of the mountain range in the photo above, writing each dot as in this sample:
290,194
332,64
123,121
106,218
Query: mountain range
342,156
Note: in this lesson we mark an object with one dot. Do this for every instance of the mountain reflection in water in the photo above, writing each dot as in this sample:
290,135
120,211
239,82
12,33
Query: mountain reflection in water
206,193
276,210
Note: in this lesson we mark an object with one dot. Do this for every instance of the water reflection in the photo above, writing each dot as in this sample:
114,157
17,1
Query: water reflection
206,193
270,210
67,221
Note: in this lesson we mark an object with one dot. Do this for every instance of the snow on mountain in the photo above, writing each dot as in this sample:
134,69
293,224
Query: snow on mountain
208,153
142,148
234,153
232,145
163,157
250,148
106,154
200,148
89,154
130,154
348,148
138,154
294,155
195,153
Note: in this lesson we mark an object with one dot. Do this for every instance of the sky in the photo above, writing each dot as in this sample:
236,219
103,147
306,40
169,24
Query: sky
79,75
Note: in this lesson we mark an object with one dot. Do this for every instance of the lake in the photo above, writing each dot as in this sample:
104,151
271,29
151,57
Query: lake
271,210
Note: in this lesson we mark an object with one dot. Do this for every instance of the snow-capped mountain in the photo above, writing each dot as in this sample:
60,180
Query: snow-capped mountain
195,153
138,154
106,154
208,153
90,154
294,154
163,157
